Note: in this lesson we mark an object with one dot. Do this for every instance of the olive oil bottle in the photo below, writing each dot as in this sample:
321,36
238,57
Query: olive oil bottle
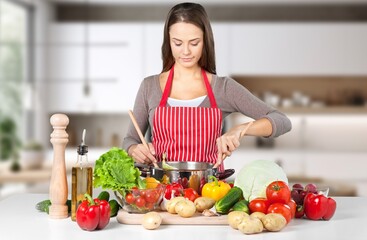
81,178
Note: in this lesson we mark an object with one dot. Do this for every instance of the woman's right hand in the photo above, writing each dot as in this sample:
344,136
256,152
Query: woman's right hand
141,154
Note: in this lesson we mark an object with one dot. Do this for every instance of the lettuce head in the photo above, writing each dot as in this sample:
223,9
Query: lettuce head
115,170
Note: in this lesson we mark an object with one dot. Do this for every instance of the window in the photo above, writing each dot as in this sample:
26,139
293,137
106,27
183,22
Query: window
14,73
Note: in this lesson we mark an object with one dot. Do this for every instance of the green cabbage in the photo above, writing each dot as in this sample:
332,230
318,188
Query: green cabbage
254,177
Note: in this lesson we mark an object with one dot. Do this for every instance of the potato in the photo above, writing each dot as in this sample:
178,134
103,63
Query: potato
258,215
235,218
171,204
251,225
151,220
185,208
274,222
202,203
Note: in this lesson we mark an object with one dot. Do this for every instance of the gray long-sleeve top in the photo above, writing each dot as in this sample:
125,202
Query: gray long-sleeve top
229,94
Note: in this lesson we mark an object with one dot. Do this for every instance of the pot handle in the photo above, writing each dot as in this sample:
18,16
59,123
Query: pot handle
223,175
145,170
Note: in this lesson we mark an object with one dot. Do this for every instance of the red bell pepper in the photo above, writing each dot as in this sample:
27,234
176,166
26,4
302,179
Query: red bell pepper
317,206
93,214
173,190
190,194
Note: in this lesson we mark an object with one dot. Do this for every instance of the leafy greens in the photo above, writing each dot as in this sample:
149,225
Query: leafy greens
115,170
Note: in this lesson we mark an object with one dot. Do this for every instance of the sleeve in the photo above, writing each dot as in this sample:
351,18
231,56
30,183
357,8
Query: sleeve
237,98
142,117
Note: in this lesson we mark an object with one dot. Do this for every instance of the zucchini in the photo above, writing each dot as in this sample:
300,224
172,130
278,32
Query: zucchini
104,195
224,204
114,207
242,206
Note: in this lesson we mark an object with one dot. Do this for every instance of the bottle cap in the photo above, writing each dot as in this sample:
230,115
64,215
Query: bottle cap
82,148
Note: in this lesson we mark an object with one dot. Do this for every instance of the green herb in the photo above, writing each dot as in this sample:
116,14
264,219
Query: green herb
115,170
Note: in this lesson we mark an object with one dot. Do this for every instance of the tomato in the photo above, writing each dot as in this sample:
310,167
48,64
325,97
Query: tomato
140,202
150,206
293,206
281,208
278,192
142,193
151,196
259,205
129,198
190,194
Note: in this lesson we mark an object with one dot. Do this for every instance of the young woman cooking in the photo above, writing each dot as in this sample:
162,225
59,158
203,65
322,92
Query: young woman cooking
185,104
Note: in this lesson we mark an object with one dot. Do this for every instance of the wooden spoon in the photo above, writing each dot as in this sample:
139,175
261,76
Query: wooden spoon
140,134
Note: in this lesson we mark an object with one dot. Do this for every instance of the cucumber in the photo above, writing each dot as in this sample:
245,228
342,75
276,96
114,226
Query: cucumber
44,206
115,207
68,203
242,206
104,195
224,204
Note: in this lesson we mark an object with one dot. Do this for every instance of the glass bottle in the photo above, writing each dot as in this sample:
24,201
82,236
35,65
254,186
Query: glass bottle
82,178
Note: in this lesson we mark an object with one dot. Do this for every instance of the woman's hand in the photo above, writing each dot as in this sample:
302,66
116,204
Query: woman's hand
141,154
230,141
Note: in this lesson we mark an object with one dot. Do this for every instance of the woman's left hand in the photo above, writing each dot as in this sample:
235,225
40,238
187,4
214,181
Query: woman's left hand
230,141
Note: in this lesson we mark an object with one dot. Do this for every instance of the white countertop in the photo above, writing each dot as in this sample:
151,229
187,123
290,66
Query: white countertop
20,220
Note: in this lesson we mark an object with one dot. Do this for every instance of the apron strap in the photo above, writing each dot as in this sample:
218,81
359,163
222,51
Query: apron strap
167,89
213,103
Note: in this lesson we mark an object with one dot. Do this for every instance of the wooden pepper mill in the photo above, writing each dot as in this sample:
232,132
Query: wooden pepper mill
58,185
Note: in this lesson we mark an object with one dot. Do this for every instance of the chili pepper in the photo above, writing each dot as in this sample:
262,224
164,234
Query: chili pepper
173,190
93,214
317,206
190,194
215,189
183,181
300,211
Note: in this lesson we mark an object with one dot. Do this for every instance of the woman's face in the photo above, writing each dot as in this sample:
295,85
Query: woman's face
187,42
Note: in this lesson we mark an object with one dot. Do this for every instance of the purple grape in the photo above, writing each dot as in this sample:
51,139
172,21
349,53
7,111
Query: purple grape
311,188
303,195
296,196
297,186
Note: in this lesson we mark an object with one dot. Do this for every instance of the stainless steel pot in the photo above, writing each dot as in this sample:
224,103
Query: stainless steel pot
188,174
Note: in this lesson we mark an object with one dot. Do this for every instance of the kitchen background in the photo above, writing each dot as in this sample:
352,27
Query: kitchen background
87,58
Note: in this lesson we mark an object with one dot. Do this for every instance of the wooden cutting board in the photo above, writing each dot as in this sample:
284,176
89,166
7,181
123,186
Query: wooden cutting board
168,218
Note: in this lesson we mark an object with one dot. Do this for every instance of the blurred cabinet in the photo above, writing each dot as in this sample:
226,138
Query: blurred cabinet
66,65
335,133
330,146
298,48
115,65
222,42
105,58
152,45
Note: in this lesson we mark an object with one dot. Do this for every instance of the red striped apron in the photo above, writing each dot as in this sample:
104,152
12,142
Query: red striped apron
187,133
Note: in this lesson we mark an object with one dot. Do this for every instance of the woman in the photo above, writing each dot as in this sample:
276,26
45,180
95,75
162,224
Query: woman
186,103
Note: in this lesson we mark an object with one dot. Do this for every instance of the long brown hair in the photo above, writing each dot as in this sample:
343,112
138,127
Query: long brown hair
195,14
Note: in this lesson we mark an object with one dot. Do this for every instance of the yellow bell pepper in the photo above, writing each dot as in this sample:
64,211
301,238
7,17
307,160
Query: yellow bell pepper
215,189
